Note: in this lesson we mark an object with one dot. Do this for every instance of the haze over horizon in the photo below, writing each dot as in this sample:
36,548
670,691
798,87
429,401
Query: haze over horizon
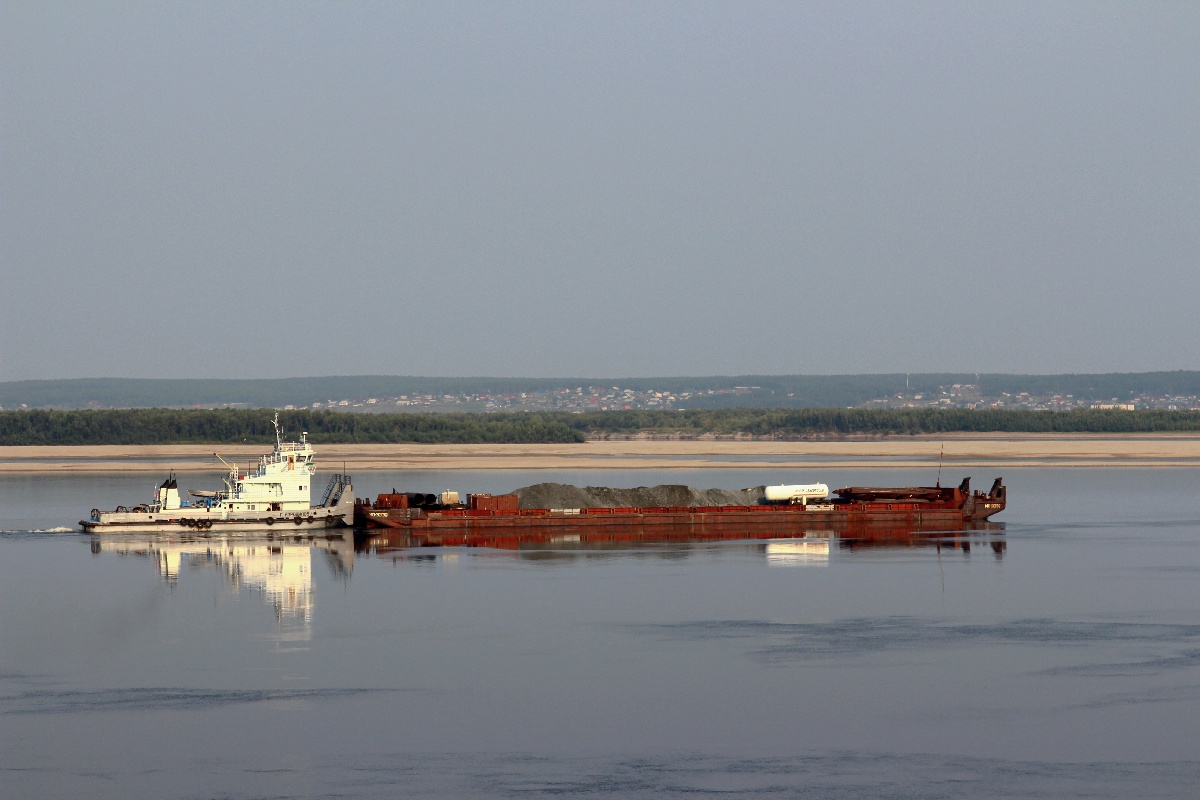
540,190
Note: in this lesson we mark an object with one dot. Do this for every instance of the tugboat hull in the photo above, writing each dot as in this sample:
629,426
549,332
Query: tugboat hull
284,523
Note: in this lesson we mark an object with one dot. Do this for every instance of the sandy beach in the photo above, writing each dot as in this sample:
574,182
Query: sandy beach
956,451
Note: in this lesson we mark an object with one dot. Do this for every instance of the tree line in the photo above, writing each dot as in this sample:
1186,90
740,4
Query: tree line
172,426
176,426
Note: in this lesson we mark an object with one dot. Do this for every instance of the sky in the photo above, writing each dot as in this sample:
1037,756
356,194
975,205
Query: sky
624,189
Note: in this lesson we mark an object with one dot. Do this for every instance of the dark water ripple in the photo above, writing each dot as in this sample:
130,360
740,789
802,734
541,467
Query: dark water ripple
830,776
1166,694
160,699
877,634
1188,659
1059,526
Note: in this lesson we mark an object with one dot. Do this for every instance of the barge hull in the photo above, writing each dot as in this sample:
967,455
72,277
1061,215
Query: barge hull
499,529
498,521
518,538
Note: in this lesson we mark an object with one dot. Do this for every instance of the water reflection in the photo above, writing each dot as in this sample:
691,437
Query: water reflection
802,553
278,569
960,542
806,548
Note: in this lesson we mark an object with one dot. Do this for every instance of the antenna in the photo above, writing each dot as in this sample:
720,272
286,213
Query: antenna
941,453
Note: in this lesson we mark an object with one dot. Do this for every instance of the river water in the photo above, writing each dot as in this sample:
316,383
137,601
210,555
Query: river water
1057,658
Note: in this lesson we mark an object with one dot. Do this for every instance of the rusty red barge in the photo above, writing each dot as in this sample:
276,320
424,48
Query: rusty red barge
499,521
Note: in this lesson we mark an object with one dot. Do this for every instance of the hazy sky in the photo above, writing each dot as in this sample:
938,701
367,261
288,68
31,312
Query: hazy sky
598,189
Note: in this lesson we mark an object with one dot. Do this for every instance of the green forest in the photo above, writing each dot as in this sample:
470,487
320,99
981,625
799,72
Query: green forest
174,426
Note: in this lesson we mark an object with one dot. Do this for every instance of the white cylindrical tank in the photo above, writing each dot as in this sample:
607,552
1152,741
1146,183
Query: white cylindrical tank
449,498
796,493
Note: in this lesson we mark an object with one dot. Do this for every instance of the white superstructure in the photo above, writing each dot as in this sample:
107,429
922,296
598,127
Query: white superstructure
277,491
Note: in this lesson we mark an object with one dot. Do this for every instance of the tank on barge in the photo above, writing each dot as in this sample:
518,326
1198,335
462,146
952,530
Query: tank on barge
274,495
781,512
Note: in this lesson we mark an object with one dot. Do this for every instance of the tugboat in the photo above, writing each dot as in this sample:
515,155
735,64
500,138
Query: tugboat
276,495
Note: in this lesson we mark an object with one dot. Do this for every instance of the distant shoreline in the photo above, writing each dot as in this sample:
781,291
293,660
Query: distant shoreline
955,451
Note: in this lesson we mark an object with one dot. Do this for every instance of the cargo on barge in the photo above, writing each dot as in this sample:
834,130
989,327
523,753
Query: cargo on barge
499,521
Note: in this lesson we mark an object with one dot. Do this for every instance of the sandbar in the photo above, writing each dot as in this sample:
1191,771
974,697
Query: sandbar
952,450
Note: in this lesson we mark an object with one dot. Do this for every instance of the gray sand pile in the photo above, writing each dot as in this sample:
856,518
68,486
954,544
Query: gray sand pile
562,495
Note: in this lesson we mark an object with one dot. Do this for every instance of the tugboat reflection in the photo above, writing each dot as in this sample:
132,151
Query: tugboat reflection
278,568
805,552
790,548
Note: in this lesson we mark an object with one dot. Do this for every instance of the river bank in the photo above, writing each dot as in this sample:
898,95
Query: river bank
954,451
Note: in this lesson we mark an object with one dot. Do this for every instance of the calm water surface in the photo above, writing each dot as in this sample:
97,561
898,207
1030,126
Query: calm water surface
1059,658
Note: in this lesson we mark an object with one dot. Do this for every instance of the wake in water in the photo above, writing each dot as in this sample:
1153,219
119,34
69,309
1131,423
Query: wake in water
59,529
160,699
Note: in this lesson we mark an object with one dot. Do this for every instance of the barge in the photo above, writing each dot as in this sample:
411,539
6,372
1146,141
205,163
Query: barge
275,493
781,512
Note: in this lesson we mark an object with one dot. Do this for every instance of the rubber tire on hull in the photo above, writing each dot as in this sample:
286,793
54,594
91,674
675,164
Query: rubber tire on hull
270,520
